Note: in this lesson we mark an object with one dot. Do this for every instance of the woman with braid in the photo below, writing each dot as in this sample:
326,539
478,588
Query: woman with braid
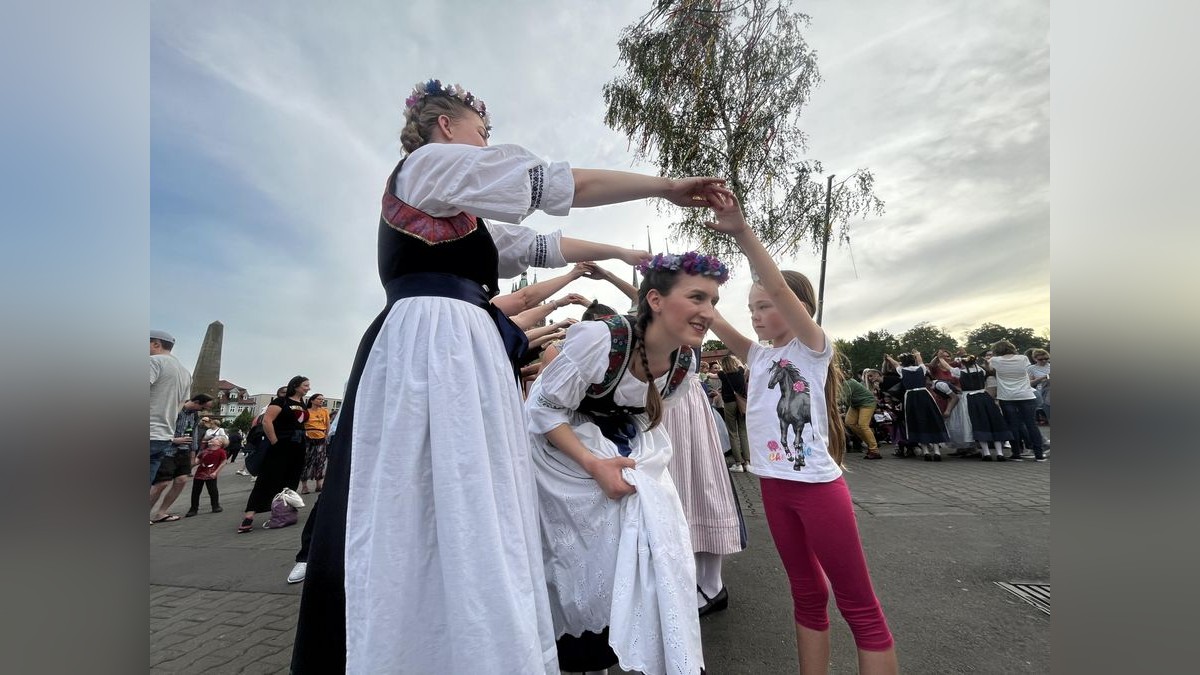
618,554
426,557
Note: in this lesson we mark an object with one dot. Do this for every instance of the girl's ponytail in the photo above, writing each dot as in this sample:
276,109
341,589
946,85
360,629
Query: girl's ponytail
803,289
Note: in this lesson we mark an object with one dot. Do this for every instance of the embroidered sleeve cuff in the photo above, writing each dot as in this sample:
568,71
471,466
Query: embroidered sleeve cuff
548,251
557,189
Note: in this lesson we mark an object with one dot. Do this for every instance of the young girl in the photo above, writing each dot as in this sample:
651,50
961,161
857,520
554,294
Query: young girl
616,546
208,467
796,447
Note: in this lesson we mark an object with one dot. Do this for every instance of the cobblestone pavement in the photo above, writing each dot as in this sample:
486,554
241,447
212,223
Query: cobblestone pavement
938,536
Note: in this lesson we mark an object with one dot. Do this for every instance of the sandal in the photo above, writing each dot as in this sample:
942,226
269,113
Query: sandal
169,518
245,527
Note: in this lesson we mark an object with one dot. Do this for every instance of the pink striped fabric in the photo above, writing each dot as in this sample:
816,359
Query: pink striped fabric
698,469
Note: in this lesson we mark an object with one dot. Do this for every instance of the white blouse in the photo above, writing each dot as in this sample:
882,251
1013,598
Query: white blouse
582,363
501,183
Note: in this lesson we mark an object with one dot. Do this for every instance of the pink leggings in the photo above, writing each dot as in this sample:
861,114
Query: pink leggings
817,537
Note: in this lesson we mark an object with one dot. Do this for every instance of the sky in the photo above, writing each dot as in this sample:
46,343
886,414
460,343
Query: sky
275,124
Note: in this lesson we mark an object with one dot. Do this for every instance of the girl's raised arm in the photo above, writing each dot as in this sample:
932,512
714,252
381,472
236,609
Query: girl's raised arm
738,344
795,312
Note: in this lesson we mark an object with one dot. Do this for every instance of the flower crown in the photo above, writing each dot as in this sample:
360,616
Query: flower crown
436,88
690,262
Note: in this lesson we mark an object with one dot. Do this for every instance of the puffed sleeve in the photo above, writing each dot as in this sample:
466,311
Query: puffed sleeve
561,386
498,182
521,248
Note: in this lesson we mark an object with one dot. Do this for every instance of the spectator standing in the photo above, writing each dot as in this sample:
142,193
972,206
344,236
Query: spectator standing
315,430
1039,379
1017,400
212,429
208,468
860,409
283,424
170,384
178,460
236,438
733,391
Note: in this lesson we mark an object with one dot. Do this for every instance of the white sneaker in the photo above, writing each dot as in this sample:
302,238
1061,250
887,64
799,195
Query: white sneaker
297,573
736,468
241,472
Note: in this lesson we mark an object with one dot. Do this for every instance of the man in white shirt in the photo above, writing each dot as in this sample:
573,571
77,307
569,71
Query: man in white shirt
170,386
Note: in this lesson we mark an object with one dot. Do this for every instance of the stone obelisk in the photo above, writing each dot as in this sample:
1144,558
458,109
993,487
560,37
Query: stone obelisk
208,363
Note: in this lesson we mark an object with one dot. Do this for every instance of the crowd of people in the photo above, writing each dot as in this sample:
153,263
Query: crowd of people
559,497
967,405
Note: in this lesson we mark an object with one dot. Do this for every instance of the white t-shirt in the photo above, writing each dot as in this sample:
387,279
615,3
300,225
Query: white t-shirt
796,400
1012,377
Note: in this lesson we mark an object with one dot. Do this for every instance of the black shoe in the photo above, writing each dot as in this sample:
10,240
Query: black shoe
217,509
928,457
716,603
1001,458
987,458
937,458
191,513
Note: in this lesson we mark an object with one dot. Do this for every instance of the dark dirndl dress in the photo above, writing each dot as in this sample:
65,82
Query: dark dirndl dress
923,421
465,268
987,422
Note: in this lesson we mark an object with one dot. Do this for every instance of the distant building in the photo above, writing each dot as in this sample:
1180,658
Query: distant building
232,400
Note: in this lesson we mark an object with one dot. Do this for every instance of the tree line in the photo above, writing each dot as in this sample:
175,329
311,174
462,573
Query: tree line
866,351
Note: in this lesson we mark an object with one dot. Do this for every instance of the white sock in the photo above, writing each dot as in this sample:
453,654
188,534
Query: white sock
708,573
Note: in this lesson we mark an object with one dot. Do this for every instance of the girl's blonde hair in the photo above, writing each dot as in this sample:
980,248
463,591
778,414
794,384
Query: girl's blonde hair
803,289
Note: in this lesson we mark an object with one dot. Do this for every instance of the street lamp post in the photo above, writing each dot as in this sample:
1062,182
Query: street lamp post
824,249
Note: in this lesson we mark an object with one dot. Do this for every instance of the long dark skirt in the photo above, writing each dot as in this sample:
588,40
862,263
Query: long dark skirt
987,421
281,468
923,419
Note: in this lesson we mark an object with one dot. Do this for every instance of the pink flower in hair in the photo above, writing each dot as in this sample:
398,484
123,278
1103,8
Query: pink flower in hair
798,387
784,363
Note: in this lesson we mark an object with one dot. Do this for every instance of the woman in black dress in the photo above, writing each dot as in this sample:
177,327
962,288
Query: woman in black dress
283,423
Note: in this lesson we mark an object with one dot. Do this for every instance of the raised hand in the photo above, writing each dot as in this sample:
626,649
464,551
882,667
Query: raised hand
634,257
593,270
692,191
571,299
729,213
590,270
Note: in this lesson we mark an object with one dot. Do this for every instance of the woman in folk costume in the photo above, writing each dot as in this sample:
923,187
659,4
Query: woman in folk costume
426,556
985,422
706,493
618,554
923,421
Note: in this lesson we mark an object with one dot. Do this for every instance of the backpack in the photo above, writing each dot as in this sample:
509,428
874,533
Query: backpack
256,447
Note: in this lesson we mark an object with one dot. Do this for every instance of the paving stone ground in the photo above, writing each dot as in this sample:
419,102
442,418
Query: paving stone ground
937,536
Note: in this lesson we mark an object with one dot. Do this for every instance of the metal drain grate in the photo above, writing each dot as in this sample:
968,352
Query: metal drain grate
1037,595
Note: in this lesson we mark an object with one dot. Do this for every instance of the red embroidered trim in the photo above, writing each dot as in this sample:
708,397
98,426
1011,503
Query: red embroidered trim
416,223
